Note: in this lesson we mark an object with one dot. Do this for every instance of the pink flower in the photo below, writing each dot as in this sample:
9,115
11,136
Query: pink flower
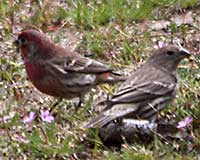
186,122
29,118
46,116
52,28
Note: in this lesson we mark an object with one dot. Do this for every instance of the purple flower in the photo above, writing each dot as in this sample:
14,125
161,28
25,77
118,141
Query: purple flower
22,139
29,118
160,44
6,118
46,116
182,124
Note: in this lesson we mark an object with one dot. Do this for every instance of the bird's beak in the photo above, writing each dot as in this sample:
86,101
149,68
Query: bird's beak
184,52
17,44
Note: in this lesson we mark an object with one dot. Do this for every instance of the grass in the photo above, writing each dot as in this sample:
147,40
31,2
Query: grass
105,30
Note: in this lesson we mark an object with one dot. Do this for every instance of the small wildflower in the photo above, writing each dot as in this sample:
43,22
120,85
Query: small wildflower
46,116
160,44
52,28
29,118
6,118
186,122
22,139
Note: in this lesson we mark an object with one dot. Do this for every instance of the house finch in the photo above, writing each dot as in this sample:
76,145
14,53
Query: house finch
57,71
147,91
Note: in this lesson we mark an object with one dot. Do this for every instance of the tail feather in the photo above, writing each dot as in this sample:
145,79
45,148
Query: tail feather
100,121
109,115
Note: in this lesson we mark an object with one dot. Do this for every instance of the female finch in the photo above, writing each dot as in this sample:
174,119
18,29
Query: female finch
57,71
147,91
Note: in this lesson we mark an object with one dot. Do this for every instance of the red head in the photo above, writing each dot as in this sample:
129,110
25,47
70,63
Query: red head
34,44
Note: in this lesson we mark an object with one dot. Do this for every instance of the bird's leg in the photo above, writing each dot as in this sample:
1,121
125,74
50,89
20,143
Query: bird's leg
81,99
55,104
79,103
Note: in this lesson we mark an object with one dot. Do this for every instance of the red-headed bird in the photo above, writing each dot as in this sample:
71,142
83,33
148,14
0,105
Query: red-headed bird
59,72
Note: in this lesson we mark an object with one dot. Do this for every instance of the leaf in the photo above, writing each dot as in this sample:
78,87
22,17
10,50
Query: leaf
35,138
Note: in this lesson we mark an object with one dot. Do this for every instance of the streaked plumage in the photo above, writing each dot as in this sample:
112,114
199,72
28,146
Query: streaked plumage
147,91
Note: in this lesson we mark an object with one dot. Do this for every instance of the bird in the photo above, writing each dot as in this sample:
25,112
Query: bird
146,91
58,71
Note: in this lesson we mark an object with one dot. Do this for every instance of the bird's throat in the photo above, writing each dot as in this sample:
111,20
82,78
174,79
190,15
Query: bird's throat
35,71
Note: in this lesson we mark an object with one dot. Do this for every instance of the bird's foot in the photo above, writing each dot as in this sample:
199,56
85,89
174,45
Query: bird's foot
55,104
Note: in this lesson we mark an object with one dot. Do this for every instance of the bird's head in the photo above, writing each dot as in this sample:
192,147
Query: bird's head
32,43
169,57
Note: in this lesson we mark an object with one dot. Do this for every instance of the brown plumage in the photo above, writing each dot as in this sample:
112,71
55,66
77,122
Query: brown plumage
147,91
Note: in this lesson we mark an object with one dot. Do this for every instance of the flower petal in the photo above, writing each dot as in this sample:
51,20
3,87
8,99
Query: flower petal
46,116
29,118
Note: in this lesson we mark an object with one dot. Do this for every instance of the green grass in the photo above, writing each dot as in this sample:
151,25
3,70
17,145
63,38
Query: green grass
107,30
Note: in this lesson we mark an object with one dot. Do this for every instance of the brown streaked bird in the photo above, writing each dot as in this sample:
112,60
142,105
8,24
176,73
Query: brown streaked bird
147,91
59,72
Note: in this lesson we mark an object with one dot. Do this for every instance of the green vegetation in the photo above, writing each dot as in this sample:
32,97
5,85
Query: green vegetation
116,32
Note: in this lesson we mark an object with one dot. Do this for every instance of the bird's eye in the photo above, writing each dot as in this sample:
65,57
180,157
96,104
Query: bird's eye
170,53
23,40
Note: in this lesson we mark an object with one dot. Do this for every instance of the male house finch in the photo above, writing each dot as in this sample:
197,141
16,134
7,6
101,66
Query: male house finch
57,71
147,91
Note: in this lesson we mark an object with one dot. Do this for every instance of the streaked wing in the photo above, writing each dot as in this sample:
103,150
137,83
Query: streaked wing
130,101
80,65
143,92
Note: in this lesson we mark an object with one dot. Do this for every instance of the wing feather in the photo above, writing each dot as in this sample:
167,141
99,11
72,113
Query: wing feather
143,92
80,65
